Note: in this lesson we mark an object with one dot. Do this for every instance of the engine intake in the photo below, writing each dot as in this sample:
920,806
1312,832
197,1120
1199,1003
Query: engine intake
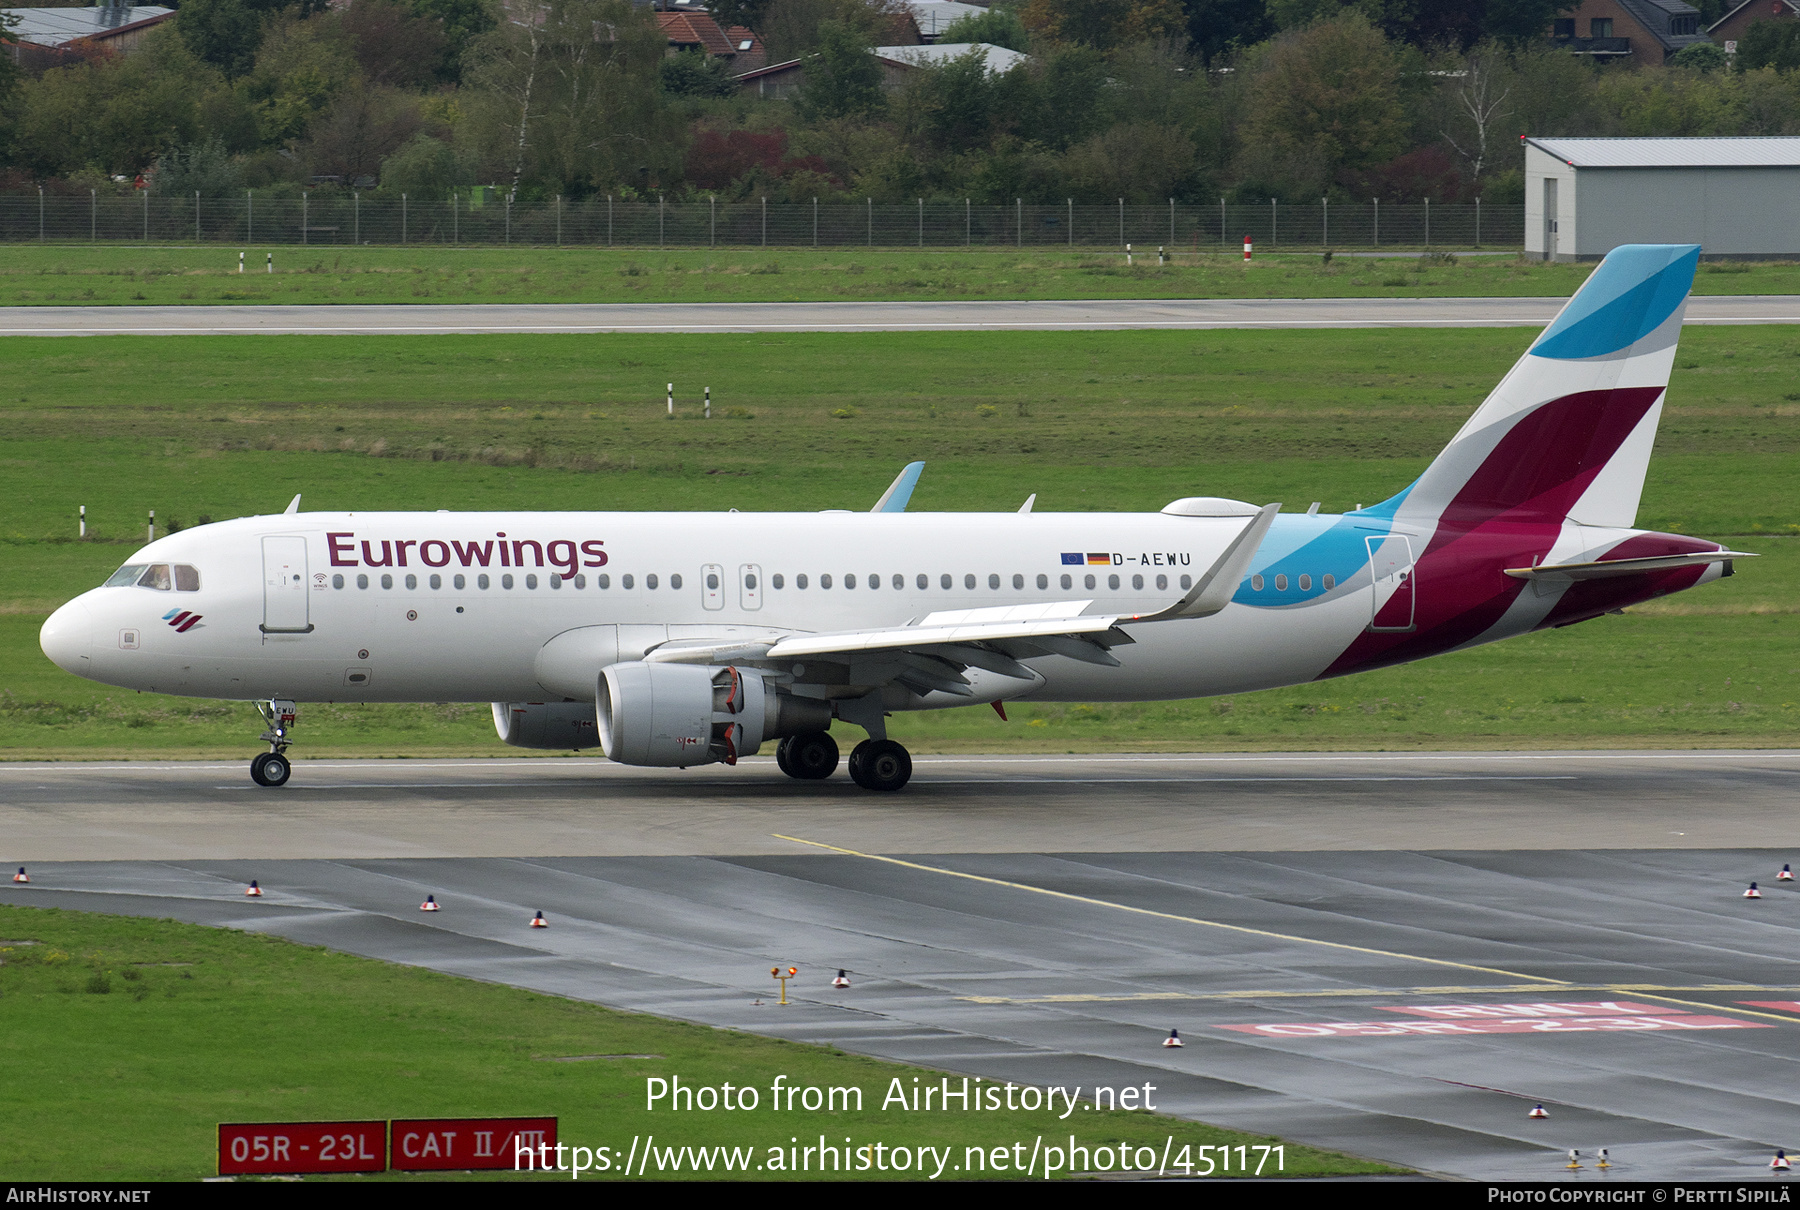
559,726
678,715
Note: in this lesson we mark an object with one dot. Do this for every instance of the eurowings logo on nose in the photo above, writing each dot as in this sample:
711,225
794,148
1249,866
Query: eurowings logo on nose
181,620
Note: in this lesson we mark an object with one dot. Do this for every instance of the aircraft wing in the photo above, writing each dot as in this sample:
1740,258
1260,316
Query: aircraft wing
932,652
994,639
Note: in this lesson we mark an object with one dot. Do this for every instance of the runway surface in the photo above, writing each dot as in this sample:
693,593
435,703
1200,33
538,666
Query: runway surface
1395,955
847,316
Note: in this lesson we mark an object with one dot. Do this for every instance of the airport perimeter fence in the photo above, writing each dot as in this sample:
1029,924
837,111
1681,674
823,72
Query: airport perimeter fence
345,219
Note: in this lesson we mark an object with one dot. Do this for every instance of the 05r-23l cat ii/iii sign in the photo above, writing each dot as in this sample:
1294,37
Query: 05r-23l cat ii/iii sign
681,639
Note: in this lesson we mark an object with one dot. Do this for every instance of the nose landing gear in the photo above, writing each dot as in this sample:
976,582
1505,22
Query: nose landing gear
272,767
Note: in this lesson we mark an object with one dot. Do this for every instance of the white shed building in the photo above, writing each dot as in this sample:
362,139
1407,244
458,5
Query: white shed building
1735,197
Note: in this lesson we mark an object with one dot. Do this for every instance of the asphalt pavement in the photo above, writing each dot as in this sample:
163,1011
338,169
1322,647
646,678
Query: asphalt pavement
1397,955
1055,315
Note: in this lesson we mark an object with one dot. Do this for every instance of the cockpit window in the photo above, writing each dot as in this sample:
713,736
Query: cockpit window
125,577
160,576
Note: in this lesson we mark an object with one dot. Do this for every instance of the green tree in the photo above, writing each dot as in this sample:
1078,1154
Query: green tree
300,70
996,27
569,99
1701,56
953,102
842,77
1770,44
694,73
424,168
1103,24
1217,28
463,22
224,33
1519,23
1141,162
1330,92
117,116
205,168
1072,84
793,29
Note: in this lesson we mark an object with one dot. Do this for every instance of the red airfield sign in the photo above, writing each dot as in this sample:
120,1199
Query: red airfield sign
432,1144
295,1147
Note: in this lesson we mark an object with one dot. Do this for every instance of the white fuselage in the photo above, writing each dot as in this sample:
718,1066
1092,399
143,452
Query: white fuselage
369,624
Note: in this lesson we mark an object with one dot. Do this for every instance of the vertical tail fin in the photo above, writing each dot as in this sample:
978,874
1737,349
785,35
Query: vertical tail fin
1568,432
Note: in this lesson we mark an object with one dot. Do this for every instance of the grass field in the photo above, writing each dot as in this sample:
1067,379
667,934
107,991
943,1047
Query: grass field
82,275
222,426
126,1041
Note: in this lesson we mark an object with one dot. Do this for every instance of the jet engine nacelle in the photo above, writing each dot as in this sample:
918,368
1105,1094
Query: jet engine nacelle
685,714
559,726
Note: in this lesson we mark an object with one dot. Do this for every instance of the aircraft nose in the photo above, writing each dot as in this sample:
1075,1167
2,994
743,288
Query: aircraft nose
68,638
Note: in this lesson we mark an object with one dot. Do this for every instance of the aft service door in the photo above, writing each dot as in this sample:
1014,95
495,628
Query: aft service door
284,586
1391,567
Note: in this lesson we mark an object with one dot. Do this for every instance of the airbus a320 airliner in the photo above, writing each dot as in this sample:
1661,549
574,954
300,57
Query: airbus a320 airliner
685,638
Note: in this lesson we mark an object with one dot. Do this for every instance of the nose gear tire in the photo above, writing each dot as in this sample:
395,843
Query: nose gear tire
270,769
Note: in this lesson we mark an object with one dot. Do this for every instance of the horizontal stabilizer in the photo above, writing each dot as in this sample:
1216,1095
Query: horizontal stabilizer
1623,567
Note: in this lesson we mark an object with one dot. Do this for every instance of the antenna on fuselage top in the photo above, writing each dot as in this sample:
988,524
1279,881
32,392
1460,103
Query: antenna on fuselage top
1029,501
293,505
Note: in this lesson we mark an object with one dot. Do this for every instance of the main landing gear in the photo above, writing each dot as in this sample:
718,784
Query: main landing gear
272,767
875,764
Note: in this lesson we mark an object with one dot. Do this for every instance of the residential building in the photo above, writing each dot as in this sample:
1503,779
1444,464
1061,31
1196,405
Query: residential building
1639,31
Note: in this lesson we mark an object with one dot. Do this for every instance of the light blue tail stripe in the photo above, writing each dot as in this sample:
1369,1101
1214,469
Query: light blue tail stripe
1635,289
